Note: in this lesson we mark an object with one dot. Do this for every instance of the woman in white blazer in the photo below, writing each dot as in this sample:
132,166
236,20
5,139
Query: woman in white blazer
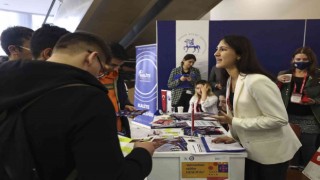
203,100
256,114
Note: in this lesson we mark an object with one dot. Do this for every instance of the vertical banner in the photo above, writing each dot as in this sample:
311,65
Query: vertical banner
192,38
146,83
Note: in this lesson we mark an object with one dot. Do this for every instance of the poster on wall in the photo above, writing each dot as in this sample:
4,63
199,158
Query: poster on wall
146,83
192,38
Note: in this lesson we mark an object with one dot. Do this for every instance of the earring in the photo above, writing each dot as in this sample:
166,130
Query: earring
238,58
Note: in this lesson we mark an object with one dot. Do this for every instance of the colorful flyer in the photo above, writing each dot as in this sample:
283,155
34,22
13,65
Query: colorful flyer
204,167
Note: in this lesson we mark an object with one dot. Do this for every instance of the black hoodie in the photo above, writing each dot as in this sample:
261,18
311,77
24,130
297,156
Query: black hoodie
72,127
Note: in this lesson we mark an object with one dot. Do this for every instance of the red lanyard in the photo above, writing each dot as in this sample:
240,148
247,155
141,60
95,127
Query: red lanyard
198,108
302,85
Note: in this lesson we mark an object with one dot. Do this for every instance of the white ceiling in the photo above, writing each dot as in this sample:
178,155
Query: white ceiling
28,6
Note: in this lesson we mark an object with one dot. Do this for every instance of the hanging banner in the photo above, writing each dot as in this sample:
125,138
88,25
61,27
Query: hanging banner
192,38
146,83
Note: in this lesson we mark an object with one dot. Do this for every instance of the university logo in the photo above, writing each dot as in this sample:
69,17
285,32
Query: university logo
192,43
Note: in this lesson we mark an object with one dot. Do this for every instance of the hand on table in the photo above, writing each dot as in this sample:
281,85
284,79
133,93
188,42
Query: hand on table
224,139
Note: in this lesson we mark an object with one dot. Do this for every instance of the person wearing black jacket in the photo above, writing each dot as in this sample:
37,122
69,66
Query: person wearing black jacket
72,127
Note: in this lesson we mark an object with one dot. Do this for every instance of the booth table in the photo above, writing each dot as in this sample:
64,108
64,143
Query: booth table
208,166
194,164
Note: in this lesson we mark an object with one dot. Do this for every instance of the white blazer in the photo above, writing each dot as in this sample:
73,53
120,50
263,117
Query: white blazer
260,120
210,105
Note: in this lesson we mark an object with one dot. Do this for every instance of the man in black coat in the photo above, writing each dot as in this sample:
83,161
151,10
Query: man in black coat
72,127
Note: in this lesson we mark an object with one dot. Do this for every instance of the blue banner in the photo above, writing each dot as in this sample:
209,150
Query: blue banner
146,86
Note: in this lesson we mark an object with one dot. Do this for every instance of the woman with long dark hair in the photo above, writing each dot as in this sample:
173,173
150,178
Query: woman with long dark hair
182,80
256,115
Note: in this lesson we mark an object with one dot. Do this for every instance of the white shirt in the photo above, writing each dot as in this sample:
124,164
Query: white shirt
209,105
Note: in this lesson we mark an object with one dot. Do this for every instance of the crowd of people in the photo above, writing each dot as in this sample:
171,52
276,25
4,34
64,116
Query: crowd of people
259,110
74,123
71,123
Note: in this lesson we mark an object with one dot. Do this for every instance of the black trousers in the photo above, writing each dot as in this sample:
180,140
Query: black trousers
183,101
257,171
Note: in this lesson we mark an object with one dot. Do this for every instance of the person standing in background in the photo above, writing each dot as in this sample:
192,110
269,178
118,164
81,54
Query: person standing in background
44,39
216,81
117,91
256,115
300,90
204,100
15,42
182,81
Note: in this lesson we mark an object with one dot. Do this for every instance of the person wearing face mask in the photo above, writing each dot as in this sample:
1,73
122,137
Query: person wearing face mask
182,81
300,90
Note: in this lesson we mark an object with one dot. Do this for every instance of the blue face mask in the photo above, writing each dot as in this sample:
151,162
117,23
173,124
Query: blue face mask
301,64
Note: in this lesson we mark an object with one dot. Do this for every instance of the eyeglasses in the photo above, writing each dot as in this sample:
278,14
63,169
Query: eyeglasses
103,70
28,49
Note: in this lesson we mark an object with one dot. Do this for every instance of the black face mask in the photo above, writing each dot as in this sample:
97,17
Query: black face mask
301,65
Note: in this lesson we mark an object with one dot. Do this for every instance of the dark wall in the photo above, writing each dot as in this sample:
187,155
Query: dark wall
274,42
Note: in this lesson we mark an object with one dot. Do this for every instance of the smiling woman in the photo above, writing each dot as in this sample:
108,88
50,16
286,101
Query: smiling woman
256,115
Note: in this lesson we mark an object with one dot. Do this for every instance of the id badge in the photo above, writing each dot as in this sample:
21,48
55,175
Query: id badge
188,92
296,98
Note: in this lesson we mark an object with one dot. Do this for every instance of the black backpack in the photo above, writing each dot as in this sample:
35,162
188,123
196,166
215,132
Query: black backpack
16,158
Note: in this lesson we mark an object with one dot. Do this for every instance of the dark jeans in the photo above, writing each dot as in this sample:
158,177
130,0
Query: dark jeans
257,171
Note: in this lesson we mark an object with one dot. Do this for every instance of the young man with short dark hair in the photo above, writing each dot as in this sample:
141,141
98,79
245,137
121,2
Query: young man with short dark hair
15,42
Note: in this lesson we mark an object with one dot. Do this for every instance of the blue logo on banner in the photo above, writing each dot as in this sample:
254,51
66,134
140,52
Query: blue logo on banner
146,86
190,44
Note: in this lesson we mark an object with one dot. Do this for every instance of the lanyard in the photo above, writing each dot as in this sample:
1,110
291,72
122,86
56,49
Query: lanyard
198,106
302,85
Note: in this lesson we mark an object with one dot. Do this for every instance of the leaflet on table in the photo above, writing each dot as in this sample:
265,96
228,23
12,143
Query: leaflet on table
203,130
197,116
125,145
196,146
131,113
184,84
170,144
220,147
167,123
199,123
166,132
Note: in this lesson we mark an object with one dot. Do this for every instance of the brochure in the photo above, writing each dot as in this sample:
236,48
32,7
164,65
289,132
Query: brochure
203,130
220,147
131,113
169,144
197,116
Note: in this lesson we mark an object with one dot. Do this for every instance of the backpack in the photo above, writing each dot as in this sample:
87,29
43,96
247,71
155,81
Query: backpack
16,158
